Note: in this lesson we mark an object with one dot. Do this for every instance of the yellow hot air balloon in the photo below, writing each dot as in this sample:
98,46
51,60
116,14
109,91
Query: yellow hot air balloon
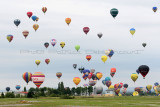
68,21
149,87
119,94
76,80
135,93
104,58
62,44
99,75
111,87
35,26
37,62
134,77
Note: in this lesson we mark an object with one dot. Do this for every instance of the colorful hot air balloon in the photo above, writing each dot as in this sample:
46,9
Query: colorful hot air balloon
156,83
99,35
35,27
108,83
7,89
117,90
149,87
46,44
9,38
110,53
76,80
92,83
18,87
59,74
38,78
25,33
104,58
107,79
85,85
47,61
34,18
68,21
88,57
86,30
134,77
132,31
92,70
27,76
144,44
44,9
94,77
99,75
37,62
103,82
62,44
125,85
29,14
120,85
37,19
154,9
53,42
113,71
90,75
86,71
74,66
17,22
143,69
85,76
111,87
135,93
114,12
77,47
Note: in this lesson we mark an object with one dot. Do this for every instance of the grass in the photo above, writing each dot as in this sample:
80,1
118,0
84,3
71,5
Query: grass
150,101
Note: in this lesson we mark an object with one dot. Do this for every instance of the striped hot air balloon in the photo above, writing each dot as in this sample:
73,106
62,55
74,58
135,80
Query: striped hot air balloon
44,9
27,76
38,78
25,33
18,87
9,38
88,57
59,74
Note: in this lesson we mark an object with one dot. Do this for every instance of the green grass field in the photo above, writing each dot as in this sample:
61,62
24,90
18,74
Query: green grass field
150,101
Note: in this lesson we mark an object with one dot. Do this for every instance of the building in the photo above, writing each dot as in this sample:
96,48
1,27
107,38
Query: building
109,93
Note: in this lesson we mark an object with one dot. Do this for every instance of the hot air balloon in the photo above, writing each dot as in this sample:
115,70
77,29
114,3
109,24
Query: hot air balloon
137,71
85,76
38,78
98,89
7,89
120,85
62,44
135,93
110,53
111,87
144,44
37,62
37,19
124,90
103,82
107,79
81,69
94,77
92,70
132,31
113,71
143,69
34,18
29,14
25,33
134,77
99,75
68,21
149,87
46,44
74,66
17,22
77,47
108,83
156,83
117,90
92,83
35,27
27,76
53,42
104,58
114,12
59,74
99,35
86,71
9,38
88,57
47,61
125,85
76,80
85,85
154,9
44,9
86,30
90,75
18,87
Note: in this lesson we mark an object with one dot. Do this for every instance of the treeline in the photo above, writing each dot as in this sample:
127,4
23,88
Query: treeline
61,91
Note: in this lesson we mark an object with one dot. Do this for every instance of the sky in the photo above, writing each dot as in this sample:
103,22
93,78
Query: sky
19,56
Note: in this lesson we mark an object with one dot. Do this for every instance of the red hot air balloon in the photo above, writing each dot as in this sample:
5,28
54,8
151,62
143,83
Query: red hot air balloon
38,78
86,30
88,57
143,69
90,75
25,33
29,14
113,71
47,61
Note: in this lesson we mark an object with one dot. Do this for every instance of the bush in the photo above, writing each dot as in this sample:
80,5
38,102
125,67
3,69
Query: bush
66,97
54,95
10,95
18,96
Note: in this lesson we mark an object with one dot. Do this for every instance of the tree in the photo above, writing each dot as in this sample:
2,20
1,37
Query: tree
86,90
78,90
83,91
73,91
25,89
10,95
90,90
2,95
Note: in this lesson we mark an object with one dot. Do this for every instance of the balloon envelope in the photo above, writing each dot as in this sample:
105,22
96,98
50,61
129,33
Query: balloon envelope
38,78
17,22
143,69
27,76
114,12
